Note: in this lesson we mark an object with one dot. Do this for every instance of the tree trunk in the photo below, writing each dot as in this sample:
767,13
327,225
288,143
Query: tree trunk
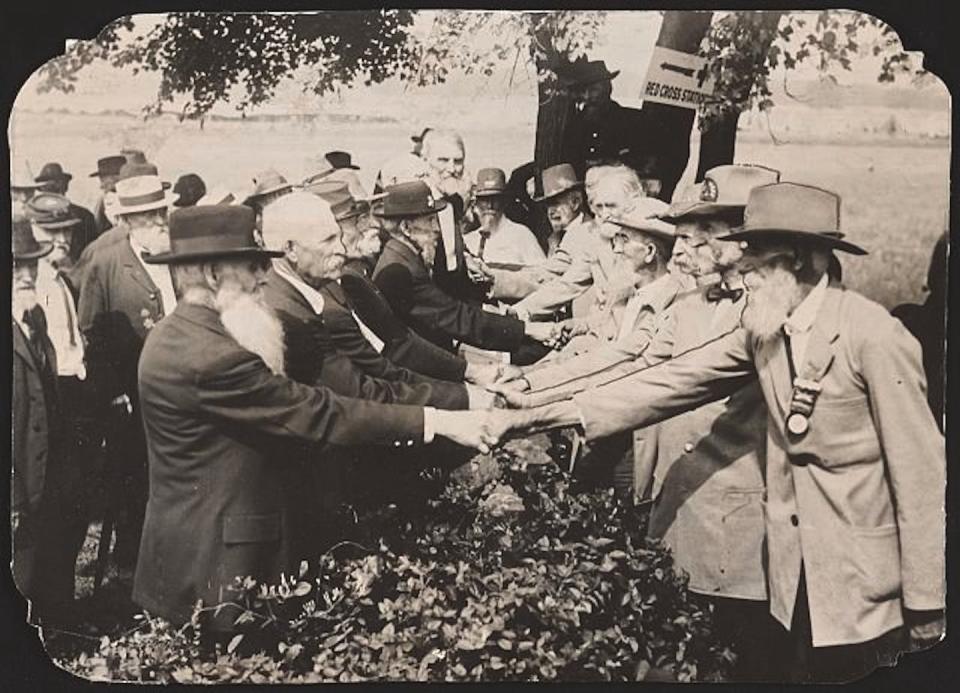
671,125
718,141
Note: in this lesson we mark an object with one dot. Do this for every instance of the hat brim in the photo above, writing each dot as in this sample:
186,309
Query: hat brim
53,225
742,233
269,191
491,193
581,82
662,233
700,209
171,258
27,186
437,207
54,179
576,186
45,248
167,201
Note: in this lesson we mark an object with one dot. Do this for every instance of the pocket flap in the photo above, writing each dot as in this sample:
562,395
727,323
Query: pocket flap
239,529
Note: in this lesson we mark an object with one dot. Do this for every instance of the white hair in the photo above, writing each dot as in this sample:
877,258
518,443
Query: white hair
296,216
440,134
624,175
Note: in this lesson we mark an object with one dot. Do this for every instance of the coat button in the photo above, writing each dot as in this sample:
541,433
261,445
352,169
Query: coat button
688,447
794,520
409,443
396,443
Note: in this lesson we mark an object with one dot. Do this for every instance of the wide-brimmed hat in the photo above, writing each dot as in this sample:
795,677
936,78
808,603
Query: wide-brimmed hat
52,171
25,244
265,183
582,72
793,211
109,166
412,199
491,182
337,194
723,189
205,232
51,211
643,215
22,178
190,188
558,180
339,159
142,194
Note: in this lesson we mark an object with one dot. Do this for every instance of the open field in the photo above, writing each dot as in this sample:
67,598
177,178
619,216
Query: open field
895,190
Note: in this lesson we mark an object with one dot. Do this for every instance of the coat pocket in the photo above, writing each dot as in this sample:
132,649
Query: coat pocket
251,529
876,556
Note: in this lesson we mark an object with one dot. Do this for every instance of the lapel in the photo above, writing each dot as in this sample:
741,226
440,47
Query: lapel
333,292
134,270
408,256
21,347
776,367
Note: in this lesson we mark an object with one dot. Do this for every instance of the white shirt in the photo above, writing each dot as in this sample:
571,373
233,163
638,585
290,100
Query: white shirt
509,243
310,295
800,322
160,276
62,326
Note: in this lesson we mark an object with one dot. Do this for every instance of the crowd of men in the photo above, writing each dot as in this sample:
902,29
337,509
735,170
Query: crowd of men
225,374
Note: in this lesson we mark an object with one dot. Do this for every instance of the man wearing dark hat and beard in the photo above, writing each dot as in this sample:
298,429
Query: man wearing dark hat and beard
855,465
223,424
56,180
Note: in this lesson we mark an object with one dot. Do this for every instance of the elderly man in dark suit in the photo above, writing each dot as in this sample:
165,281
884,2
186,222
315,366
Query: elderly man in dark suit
409,213
855,465
38,465
56,180
222,419
121,299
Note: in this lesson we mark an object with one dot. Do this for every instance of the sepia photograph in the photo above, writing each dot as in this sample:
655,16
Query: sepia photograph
448,345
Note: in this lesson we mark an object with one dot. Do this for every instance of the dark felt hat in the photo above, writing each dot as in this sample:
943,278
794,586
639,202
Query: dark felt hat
338,159
190,187
211,231
412,199
793,211
25,244
51,211
51,172
582,72
558,180
109,166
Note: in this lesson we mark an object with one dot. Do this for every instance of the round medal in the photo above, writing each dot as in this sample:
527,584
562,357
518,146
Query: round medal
798,424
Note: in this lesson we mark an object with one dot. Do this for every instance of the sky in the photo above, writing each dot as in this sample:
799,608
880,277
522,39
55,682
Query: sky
626,44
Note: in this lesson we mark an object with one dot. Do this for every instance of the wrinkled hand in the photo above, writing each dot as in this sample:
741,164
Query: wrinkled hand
511,395
485,374
509,373
477,269
926,628
547,333
471,429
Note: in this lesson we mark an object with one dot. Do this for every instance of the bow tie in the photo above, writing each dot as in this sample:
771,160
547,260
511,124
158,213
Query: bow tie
718,292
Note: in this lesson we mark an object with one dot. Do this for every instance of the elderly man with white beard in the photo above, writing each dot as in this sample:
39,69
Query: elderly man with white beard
855,465
223,424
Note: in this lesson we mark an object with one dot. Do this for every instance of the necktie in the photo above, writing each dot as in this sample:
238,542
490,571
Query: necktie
36,321
718,292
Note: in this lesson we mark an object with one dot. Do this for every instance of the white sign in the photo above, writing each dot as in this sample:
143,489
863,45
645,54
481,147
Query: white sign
672,79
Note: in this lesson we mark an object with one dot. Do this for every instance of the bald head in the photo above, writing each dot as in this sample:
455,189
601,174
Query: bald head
302,225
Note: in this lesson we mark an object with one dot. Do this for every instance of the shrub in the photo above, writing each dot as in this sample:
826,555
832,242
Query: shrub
509,573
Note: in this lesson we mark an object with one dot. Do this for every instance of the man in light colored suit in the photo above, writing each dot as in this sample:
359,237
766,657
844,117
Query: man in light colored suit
855,469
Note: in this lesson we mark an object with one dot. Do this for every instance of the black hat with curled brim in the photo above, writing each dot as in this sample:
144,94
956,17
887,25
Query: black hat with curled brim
207,232
793,212
405,200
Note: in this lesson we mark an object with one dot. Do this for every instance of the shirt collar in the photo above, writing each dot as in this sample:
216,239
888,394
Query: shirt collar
802,317
311,295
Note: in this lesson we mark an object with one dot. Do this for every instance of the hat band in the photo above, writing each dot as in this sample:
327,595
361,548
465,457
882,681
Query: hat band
211,243
146,198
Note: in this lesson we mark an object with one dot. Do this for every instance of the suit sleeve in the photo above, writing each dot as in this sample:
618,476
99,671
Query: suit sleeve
554,294
915,455
692,379
418,354
242,391
96,322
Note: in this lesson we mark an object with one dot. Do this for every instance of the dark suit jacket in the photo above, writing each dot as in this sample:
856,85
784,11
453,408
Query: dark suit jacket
217,424
455,282
313,357
84,234
403,278
118,305
35,419
402,345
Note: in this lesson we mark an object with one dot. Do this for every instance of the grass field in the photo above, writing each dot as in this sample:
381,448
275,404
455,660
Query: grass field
895,193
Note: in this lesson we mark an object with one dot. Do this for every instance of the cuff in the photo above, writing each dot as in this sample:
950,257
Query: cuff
429,424
479,398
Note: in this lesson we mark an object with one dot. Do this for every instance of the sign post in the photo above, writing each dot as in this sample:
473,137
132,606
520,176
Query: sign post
673,79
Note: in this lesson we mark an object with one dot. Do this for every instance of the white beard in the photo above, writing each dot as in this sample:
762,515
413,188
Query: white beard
253,325
23,300
769,305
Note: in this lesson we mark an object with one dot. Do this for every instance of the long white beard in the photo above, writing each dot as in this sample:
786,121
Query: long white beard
23,301
253,325
769,305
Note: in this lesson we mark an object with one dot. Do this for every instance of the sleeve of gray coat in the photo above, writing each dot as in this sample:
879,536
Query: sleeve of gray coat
915,455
